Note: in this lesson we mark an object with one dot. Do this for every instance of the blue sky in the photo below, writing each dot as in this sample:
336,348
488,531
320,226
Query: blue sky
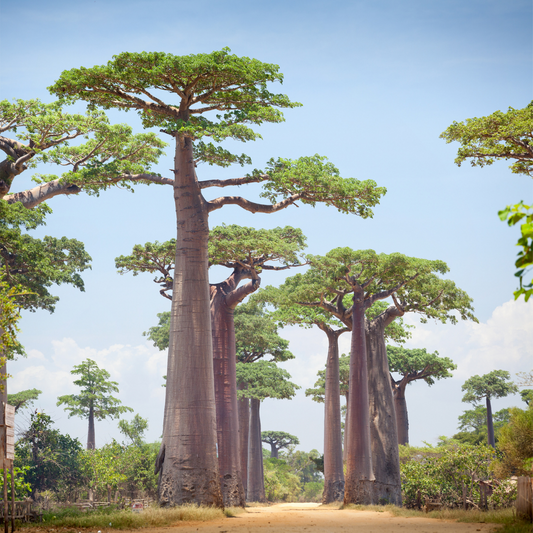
379,81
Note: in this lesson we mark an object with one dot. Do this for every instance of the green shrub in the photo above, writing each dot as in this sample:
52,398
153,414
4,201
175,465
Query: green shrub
445,471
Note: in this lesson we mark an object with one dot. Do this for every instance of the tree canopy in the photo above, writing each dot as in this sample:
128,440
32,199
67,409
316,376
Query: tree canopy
278,440
265,380
503,136
256,334
417,363
23,399
110,155
135,429
495,384
94,400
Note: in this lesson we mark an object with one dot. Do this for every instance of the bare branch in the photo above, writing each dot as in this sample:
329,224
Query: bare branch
218,203
233,181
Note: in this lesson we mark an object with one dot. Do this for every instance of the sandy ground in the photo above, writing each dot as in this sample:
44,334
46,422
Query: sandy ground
310,518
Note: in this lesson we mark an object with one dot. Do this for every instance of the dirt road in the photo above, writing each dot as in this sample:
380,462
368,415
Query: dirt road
310,518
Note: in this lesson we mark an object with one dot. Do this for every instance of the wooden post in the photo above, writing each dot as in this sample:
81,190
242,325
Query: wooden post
12,499
6,503
524,498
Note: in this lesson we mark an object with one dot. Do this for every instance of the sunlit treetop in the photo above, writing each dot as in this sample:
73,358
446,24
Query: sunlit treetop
174,93
501,135
234,87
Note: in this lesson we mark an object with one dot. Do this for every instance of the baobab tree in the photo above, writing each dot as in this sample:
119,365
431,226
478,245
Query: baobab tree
278,440
310,299
256,336
263,379
413,364
246,251
495,384
236,89
370,421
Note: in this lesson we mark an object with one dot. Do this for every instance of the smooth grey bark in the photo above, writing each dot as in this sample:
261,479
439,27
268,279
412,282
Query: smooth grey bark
359,480
244,430
402,417
273,451
333,466
225,297
490,425
187,460
91,441
255,491
383,430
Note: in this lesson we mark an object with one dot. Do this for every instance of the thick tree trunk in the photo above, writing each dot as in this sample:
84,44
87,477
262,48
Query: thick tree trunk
359,481
490,426
274,451
383,432
224,361
256,484
402,419
187,460
91,441
244,430
333,472
344,451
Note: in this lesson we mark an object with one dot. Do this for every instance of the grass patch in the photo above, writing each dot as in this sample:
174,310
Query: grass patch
109,518
505,517
231,512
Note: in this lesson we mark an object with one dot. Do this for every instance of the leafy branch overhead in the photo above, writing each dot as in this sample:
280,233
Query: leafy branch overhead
506,136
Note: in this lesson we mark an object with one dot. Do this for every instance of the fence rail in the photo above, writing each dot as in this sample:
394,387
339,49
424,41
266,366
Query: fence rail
23,511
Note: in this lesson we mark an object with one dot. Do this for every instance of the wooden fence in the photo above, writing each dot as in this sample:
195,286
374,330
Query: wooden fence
524,498
23,511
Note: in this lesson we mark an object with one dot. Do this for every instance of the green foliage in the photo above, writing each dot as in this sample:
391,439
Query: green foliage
318,393
23,399
303,464
135,429
256,334
279,439
313,490
37,264
516,444
515,214
234,86
232,246
281,484
159,334
495,384
497,136
95,394
9,316
417,363
503,136
111,154
22,487
527,396
314,179
473,425
52,458
264,379
444,472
